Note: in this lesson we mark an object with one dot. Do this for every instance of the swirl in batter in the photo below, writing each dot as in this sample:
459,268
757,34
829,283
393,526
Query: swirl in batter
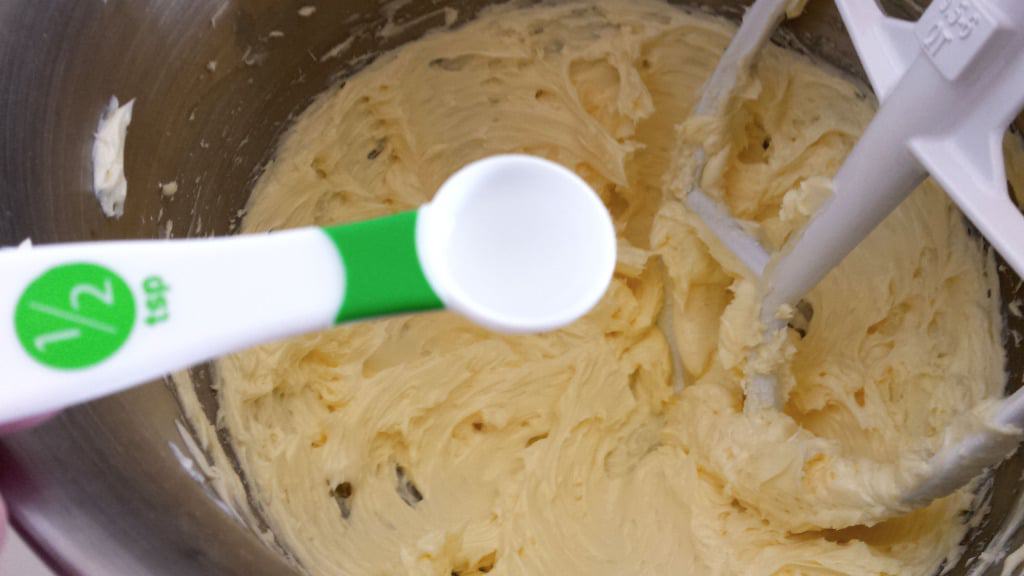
426,445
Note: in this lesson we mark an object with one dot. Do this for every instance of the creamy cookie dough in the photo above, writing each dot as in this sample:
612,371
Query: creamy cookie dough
426,445
109,182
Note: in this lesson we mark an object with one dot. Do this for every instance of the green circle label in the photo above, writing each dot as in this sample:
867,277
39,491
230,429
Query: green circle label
75,316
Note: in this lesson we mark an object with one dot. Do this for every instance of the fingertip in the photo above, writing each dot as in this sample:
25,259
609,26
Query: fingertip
13,427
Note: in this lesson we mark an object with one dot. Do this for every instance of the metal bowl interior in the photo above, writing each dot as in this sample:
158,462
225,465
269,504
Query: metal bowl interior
102,489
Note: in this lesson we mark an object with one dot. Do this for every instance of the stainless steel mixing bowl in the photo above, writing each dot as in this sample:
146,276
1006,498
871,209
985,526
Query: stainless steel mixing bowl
100,490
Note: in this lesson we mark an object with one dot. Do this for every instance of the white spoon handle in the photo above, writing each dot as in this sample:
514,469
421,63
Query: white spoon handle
81,321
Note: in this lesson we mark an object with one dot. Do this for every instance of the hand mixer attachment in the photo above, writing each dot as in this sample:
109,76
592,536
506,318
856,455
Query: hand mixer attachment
949,85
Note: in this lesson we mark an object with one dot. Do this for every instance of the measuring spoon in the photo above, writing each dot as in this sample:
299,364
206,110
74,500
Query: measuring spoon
515,243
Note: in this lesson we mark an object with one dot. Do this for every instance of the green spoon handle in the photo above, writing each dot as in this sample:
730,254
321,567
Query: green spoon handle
86,320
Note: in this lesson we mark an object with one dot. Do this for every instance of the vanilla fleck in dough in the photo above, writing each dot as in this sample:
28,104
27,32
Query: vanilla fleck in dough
426,445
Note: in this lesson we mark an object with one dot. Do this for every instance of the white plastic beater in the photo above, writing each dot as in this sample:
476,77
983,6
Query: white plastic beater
949,86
